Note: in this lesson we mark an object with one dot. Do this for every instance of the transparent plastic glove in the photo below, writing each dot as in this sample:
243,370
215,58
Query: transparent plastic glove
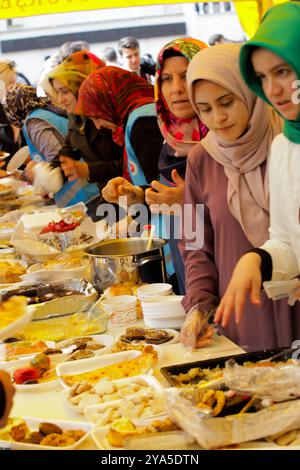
196,332
47,178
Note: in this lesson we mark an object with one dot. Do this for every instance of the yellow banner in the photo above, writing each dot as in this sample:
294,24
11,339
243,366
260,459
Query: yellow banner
19,8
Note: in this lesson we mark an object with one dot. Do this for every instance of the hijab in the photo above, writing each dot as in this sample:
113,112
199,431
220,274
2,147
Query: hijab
279,32
247,190
75,69
112,93
20,101
180,134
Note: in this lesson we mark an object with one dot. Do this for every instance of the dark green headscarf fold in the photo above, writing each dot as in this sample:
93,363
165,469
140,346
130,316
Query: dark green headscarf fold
279,32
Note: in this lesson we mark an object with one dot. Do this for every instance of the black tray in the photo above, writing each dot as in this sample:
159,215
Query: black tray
168,371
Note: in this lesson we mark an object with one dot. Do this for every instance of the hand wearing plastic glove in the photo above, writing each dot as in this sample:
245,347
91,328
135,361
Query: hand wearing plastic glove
46,178
195,331
118,187
246,278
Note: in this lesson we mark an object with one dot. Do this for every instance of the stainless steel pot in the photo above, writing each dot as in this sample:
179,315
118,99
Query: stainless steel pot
126,259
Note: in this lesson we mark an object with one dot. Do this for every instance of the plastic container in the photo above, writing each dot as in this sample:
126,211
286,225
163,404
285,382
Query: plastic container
121,309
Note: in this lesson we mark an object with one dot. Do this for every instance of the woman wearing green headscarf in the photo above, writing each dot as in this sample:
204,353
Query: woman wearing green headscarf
270,66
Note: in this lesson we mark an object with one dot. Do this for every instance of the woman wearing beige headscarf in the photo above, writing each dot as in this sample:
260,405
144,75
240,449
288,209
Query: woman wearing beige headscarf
9,134
227,172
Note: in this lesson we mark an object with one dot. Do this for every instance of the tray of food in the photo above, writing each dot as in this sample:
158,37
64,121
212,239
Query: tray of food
13,315
37,434
11,271
201,372
136,335
124,433
83,394
59,298
111,366
37,374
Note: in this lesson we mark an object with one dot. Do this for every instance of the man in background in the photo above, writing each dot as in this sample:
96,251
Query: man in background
129,50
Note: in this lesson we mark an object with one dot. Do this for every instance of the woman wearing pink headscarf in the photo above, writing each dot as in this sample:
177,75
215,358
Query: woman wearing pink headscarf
228,173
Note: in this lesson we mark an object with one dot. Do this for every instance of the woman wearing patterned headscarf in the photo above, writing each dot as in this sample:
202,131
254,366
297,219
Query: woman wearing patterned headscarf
44,127
181,129
87,152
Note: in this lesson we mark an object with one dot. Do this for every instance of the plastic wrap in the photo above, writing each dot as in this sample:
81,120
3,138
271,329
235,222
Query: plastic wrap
218,432
277,383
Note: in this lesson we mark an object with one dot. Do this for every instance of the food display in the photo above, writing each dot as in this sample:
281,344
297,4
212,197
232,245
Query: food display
202,373
128,368
39,370
124,428
11,270
60,227
60,263
11,310
46,434
149,336
83,394
11,351
140,406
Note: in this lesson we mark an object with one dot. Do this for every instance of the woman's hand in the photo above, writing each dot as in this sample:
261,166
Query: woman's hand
192,333
9,391
246,278
73,169
161,194
118,187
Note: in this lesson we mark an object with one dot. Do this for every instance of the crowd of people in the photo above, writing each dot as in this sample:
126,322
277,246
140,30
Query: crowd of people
220,128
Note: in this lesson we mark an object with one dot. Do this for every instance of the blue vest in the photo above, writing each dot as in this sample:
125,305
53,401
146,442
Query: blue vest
73,191
138,178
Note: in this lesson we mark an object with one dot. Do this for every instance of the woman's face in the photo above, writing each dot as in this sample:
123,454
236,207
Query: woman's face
174,87
65,97
277,78
221,110
99,123
11,80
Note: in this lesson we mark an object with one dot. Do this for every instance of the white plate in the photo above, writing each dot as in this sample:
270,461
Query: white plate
38,221
90,411
15,362
87,365
15,326
50,276
4,155
33,423
174,333
42,387
106,340
163,323
152,384
18,159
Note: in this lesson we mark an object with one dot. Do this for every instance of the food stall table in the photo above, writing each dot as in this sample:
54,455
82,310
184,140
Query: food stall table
49,404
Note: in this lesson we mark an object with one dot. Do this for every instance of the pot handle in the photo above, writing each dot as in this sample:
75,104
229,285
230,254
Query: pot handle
143,261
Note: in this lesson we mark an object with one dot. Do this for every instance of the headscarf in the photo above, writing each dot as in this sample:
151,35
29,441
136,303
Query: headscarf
180,134
112,93
7,70
247,190
21,100
75,69
279,32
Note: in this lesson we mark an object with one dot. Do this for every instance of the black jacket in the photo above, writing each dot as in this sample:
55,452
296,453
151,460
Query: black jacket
96,147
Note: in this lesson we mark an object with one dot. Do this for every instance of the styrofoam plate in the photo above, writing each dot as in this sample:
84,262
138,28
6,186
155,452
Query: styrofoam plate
33,423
